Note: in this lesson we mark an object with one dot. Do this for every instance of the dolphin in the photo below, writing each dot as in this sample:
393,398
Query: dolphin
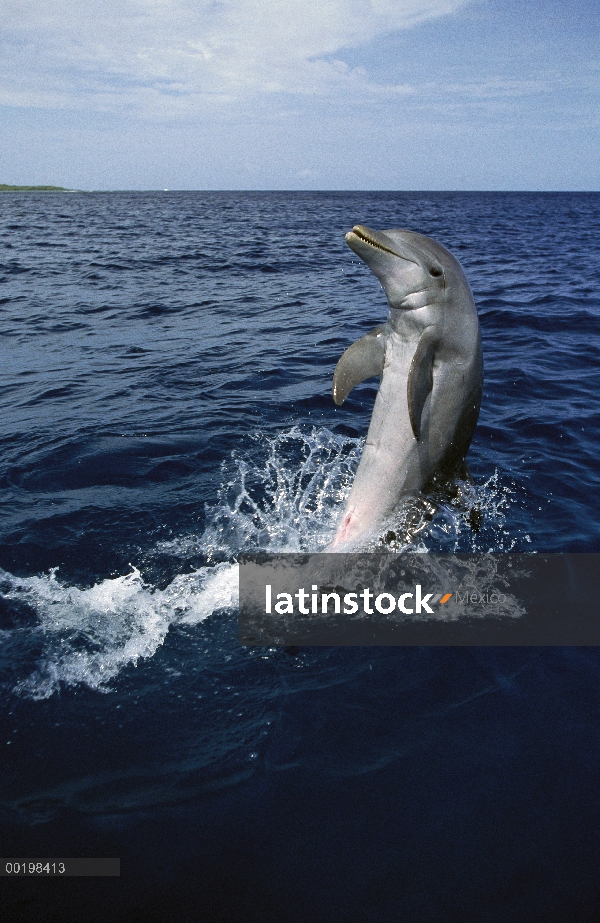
429,357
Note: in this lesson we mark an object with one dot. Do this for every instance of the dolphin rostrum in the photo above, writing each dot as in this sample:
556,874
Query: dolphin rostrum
428,354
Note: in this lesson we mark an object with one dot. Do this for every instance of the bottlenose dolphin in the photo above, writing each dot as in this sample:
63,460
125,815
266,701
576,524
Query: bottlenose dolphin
428,354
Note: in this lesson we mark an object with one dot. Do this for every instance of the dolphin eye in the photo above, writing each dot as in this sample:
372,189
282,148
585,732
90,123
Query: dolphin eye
435,272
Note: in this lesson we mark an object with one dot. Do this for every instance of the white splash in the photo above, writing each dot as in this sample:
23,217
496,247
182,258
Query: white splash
89,635
284,495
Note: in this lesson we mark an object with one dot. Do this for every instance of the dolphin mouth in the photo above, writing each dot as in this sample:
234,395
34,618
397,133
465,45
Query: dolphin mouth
368,237
373,239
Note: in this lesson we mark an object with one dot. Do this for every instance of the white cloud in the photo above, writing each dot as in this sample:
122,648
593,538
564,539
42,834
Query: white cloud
158,57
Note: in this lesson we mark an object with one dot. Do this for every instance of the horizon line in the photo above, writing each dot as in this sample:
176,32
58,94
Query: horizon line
6,187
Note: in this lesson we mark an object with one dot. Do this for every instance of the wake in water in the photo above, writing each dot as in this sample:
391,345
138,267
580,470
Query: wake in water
284,495
89,635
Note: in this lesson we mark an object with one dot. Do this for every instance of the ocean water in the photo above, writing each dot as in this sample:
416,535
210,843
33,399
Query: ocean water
166,404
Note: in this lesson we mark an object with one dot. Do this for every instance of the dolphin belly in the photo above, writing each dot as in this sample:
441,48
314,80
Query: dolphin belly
391,465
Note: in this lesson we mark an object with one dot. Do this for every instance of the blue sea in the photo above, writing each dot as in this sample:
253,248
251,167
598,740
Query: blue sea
166,405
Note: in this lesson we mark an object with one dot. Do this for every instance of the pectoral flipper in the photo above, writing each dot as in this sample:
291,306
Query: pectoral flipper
420,378
362,360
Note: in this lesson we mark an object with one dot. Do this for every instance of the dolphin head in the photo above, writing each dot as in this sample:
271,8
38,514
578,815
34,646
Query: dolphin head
412,269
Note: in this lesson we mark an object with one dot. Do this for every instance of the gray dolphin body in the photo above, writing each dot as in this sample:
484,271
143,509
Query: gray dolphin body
429,357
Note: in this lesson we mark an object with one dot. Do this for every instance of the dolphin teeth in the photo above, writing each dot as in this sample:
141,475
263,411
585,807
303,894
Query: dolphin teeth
373,243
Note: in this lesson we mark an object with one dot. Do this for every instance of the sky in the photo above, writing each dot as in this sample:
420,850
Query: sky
301,94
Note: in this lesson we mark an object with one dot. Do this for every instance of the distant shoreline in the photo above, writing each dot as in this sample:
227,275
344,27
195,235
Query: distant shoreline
5,188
